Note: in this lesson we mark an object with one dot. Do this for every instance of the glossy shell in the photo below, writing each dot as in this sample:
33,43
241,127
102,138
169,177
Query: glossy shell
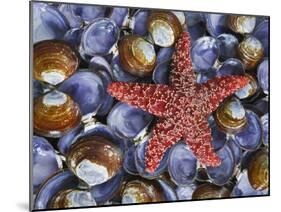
164,27
250,90
231,66
185,192
216,24
137,56
87,90
94,159
99,37
265,128
250,137
139,22
258,171
250,51
182,165
241,24
230,116
60,181
45,161
228,44
48,22
210,191
261,32
221,174
119,15
129,161
263,75
141,191
53,61
72,198
127,121
204,53
54,114
161,73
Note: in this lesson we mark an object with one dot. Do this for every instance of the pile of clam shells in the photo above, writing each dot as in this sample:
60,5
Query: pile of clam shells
88,149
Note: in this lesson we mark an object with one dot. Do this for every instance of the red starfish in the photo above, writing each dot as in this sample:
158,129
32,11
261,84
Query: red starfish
183,107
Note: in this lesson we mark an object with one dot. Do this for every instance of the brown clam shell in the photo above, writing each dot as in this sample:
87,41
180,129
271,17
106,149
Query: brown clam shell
54,61
258,171
241,24
133,55
164,18
97,154
250,52
226,119
210,191
54,114
142,191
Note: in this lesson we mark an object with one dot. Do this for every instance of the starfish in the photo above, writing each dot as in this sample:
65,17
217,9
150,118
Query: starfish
182,107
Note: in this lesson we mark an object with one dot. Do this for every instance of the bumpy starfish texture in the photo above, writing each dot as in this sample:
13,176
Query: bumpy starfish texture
182,107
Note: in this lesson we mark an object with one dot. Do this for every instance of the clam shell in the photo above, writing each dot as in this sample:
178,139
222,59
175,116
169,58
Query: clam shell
228,44
164,27
139,22
60,181
263,75
161,73
182,165
241,24
230,116
53,61
265,127
250,51
137,56
221,174
250,137
216,24
204,53
231,66
210,191
94,159
258,171
45,161
142,191
261,32
127,121
54,114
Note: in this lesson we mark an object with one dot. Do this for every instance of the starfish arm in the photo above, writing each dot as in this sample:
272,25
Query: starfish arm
199,139
153,98
166,132
214,91
182,75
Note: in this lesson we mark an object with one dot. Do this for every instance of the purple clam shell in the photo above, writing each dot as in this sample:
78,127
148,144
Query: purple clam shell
246,158
73,36
60,181
119,73
185,192
221,174
168,191
228,45
265,128
77,15
161,73
164,53
263,74
119,15
196,25
204,77
250,138
244,188
182,165
100,65
262,105
106,191
66,140
127,121
261,32
204,53
140,162
49,22
44,161
99,37
129,161
139,23
231,66
236,150
216,24
87,89
218,137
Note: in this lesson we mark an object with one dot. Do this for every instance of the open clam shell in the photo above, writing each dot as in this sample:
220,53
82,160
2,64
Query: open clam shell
210,191
54,61
55,114
242,24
